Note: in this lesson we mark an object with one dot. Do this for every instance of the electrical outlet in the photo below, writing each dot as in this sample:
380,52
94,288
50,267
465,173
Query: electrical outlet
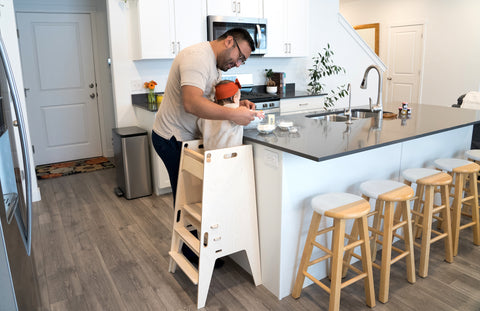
136,85
271,158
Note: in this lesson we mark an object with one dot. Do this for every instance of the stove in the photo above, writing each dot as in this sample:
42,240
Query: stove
263,101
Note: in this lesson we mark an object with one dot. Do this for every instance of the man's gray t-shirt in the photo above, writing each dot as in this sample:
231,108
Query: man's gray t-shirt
195,66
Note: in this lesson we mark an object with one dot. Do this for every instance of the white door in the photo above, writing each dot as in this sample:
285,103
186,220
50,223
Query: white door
405,55
57,60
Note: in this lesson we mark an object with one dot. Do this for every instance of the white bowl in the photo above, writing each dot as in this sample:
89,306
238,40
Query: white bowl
285,125
265,128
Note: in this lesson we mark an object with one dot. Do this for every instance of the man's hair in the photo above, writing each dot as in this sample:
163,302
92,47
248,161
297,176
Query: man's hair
239,34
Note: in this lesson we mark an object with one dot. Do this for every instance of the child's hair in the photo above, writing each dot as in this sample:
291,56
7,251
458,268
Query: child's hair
220,92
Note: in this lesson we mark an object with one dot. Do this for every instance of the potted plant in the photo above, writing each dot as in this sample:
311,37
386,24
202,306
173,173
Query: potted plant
323,66
271,85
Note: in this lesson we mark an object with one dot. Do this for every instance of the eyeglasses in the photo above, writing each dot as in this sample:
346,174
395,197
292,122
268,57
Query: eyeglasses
241,58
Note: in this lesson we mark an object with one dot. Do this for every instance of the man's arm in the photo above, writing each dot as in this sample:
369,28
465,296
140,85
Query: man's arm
195,103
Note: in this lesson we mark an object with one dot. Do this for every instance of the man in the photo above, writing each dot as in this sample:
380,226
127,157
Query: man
189,94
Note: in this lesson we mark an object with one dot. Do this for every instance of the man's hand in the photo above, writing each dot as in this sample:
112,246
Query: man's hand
243,115
248,104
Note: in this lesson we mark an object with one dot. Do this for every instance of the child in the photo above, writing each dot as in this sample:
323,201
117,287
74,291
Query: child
219,134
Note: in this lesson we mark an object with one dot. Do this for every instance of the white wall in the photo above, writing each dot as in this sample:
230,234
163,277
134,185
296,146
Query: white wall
452,45
325,28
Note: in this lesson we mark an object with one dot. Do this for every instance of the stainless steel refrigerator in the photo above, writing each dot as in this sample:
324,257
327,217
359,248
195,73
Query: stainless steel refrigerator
18,279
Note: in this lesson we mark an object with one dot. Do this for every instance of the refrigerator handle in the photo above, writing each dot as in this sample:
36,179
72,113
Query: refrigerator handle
27,227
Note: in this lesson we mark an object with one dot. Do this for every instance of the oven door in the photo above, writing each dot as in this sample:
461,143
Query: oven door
256,27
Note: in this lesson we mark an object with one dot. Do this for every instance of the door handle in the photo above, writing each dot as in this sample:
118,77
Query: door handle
389,78
92,95
259,36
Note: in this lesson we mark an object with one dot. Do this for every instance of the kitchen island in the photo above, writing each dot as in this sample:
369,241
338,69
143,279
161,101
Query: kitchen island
325,156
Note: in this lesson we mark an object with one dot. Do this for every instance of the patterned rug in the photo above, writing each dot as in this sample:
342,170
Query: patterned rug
72,167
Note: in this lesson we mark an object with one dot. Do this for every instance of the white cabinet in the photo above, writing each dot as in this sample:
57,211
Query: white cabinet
287,30
245,8
301,104
161,28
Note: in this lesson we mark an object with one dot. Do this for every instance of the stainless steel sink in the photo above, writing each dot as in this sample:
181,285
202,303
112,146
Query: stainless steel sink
363,113
330,117
340,117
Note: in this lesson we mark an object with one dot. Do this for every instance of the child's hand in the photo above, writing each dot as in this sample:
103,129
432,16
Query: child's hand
260,114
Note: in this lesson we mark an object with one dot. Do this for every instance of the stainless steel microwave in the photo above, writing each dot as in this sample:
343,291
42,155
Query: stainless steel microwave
257,27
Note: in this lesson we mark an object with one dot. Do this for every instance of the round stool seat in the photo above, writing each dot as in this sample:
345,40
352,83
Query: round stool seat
426,176
473,154
340,205
387,190
448,164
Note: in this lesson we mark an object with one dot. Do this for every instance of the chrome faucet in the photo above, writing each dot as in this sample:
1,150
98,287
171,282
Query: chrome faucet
348,113
363,85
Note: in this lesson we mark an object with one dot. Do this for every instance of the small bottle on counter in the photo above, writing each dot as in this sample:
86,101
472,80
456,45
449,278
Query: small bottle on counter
404,110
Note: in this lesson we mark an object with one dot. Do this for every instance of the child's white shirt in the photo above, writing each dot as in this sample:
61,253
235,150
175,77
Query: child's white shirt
218,134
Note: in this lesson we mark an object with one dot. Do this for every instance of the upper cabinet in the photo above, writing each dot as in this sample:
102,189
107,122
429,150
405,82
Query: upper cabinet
286,28
160,30
245,8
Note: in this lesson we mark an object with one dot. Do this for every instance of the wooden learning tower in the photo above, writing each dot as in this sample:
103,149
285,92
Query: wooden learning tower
215,197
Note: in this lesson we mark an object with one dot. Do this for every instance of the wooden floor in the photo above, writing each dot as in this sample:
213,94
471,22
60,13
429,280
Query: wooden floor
95,251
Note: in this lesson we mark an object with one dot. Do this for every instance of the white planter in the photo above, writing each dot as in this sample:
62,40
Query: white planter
271,89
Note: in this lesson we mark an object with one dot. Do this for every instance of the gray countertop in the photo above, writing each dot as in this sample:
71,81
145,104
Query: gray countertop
320,140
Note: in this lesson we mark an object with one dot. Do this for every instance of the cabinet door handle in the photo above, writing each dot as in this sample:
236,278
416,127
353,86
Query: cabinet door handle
389,78
286,48
234,6
173,47
178,47
238,7
92,95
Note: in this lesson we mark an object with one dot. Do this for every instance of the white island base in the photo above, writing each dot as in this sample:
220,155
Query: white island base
285,183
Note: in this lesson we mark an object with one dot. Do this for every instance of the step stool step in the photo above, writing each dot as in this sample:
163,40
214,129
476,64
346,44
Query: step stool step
195,210
186,266
188,238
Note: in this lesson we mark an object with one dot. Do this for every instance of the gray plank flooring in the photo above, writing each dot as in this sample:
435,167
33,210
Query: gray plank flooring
95,251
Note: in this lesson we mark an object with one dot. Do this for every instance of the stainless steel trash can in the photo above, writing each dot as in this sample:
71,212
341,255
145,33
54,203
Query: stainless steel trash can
132,160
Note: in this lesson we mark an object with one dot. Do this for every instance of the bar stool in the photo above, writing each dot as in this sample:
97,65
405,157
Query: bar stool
427,181
340,207
474,156
387,193
465,175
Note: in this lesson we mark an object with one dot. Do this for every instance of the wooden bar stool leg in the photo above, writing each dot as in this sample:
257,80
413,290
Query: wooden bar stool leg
474,205
417,208
447,223
377,220
337,259
457,212
348,254
366,262
426,232
386,252
409,243
307,253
